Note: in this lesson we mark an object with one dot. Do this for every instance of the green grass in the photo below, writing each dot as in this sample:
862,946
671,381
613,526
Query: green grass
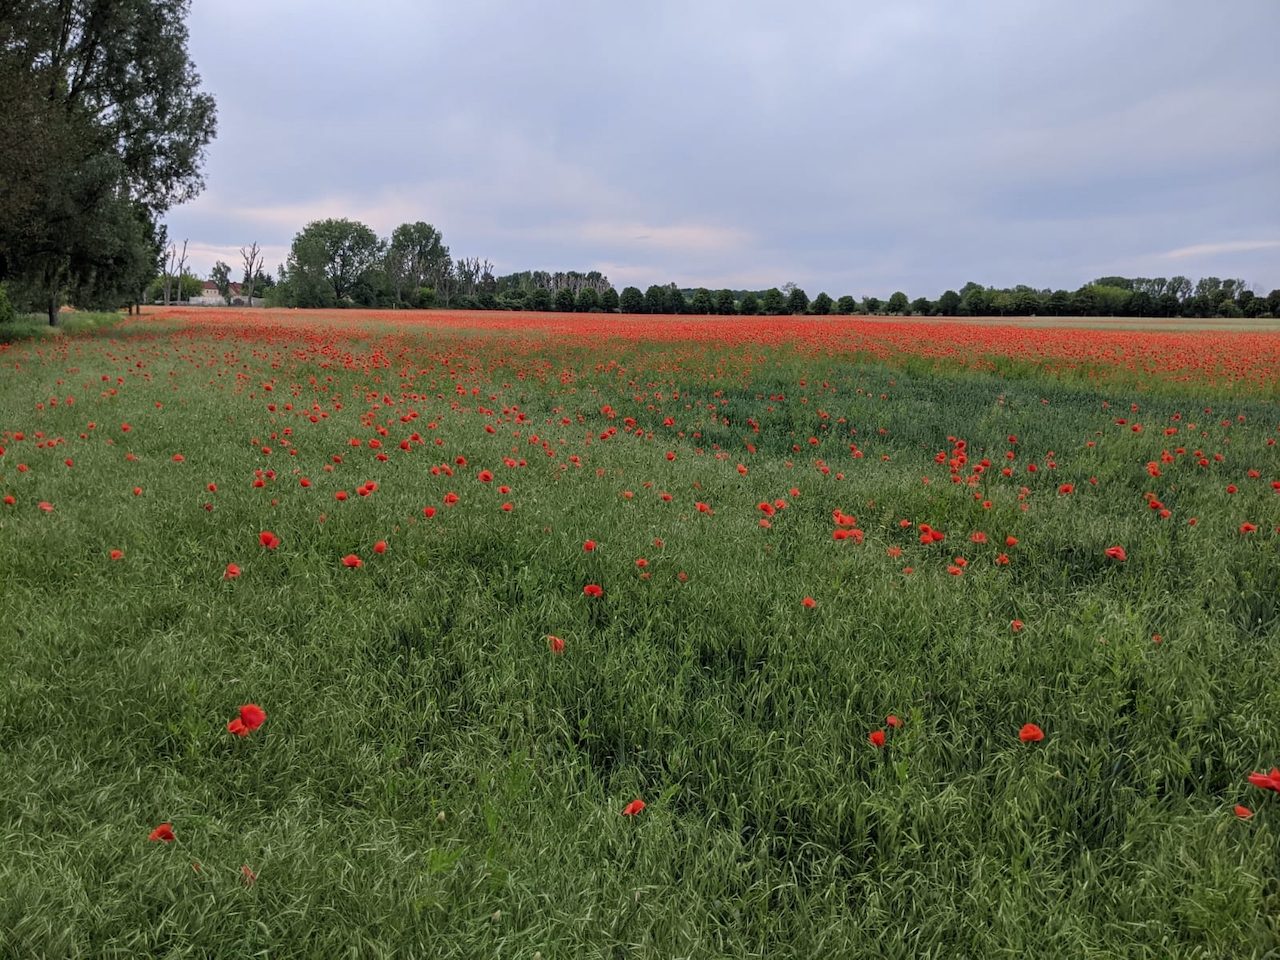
432,781
28,325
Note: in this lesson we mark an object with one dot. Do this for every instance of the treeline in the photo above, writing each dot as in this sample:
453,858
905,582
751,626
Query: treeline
335,263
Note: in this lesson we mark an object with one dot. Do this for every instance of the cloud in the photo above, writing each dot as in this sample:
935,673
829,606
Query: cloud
1220,249
848,145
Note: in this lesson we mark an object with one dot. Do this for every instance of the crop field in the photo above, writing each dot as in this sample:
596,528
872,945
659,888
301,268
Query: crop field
362,634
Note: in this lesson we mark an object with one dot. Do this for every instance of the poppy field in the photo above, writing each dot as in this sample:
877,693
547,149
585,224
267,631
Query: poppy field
452,635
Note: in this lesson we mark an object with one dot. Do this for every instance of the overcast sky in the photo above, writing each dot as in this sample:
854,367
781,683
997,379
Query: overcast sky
852,147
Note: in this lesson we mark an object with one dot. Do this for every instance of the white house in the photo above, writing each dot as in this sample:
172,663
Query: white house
210,297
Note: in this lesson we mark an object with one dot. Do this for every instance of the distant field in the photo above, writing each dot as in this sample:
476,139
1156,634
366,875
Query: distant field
914,637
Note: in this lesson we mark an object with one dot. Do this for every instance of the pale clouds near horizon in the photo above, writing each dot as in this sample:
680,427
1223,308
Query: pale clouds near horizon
849,147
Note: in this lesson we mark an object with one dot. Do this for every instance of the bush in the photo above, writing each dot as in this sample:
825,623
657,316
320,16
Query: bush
7,314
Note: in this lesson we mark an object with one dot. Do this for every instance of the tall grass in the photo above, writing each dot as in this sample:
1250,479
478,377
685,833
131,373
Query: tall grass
433,781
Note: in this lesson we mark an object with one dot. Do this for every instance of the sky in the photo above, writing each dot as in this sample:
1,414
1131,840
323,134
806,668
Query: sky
846,146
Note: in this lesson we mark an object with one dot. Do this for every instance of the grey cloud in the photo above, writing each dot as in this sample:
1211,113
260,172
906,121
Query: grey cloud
853,147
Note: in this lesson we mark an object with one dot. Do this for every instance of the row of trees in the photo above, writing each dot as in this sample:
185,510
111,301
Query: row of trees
104,129
343,262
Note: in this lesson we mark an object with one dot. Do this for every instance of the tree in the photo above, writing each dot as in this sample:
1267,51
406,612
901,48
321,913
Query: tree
871,305
675,300
416,257
329,258
701,302
221,277
949,304
539,299
725,305
632,300
846,305
773,302
1058,304
565,300
921,306
104,124
588,300
898,303
252,259
821,305
1026,302
609,300
797,301
750,305
655,299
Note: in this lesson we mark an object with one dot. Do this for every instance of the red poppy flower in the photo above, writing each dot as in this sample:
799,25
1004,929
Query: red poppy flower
876,738
1016,625
484,476
1010,541
632,808
137,491
252,716
428,512
231,572
1117,553
893,721
593,590
352,561
380,547
236,726
589,545
117,554
268,539
1266,781
809,602
1030,733
179,458
46,506
556,644
1247,528
162,833
1243,812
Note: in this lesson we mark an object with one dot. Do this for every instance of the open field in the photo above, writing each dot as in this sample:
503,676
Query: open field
495,577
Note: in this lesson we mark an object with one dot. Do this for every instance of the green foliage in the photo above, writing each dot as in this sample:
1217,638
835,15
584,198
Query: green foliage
675,300
702,302
772,303
949,304
588,300
921,306
7,313
750,305
221,277
632,300
871,305
656,300
330,262
847,305
725,304
821,305
797,301
609,300
105,128
898,303
565,300
539,299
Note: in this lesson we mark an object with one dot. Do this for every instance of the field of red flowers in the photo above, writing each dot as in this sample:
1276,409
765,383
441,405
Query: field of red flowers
461,634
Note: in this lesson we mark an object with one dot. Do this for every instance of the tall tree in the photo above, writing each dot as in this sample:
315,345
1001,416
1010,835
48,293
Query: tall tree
773,302
329,258
655,299
221,277
701,302
725,304
609,300
898,303
632,300
750,305
797,300
416,257
822,304
108,124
